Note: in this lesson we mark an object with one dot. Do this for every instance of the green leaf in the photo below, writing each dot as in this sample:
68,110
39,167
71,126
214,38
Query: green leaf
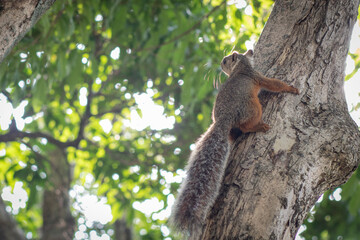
33,197
22,174
138,110
40,91
349,188
354,203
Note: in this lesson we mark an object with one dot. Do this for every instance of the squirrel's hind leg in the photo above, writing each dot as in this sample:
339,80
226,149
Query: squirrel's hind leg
259,127
253,122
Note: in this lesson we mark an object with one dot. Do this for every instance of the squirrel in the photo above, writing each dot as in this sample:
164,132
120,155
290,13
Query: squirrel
236,106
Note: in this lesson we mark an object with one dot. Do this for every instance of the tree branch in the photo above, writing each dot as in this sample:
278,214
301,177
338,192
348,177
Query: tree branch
15,134
115,73
84,119
7,95
125,158
113,110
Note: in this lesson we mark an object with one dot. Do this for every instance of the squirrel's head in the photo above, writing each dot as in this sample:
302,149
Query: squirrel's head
237,61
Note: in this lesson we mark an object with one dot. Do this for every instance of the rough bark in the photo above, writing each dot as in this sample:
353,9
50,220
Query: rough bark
16,18
58,223
274,178
9,229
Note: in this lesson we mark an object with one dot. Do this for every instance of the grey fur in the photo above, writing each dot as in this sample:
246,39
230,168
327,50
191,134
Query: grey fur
204,173
236,105
207,162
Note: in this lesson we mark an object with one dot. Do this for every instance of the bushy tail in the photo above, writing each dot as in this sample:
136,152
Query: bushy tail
205,171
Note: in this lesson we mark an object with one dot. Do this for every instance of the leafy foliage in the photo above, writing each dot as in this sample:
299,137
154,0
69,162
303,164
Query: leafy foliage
83,67
337,215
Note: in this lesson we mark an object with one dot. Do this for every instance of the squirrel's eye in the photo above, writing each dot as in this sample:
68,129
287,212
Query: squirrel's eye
224,61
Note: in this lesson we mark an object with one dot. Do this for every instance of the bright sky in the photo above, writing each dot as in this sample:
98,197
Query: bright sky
352,86
154,117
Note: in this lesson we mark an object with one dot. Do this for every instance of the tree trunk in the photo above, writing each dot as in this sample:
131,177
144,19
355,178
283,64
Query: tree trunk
58,223
9,229
273,179
122,230
16,18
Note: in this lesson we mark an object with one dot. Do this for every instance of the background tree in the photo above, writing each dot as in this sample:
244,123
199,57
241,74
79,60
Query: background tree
71,87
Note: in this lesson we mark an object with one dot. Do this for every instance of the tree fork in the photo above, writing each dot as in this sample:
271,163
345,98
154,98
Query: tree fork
273,179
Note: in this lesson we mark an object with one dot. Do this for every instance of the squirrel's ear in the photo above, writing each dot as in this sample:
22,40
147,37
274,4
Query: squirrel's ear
250,56
249,53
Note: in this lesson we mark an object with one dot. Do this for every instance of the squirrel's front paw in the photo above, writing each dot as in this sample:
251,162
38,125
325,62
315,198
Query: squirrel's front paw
293,90
264,127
